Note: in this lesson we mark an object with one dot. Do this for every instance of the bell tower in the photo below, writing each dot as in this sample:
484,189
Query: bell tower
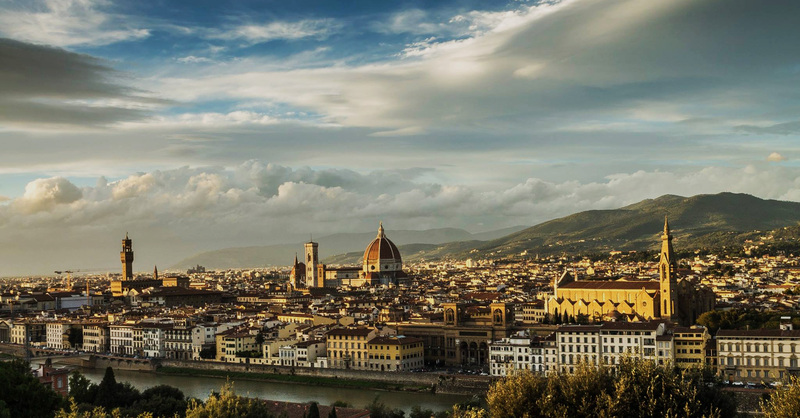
667,275
126,257
312,258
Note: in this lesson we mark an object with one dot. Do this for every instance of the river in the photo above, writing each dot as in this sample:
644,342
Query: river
200,387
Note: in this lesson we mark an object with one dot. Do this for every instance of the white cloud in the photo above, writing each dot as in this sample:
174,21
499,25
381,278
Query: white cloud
265,32
191,59
776,157
47,194
258,203
66,23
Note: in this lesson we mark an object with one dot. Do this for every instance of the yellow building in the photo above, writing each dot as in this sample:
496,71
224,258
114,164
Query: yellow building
666,298
690,346
235,341
347,347
395,353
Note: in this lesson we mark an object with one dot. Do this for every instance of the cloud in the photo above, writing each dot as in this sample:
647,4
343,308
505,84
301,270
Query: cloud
548,66
66,23
47,194
776,157
258,203
279,30
42,86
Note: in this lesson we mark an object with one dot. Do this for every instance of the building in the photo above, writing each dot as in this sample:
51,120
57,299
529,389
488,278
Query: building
395,353
57,379
57,335
518,352
609,342
690,346
763,355
235,341
463,337
95,337
639,300
347,347
121,339
178,342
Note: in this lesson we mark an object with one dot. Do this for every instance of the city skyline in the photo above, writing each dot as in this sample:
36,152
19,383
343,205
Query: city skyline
204,125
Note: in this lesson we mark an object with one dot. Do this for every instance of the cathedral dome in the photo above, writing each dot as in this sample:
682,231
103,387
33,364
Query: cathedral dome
382,255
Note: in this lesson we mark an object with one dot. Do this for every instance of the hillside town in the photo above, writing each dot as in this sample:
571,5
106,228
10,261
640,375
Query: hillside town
482,317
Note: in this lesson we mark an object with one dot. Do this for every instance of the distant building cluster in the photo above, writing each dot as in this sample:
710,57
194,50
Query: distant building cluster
491,317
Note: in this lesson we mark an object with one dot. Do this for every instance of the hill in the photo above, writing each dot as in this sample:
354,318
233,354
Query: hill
697,222
283,254
702,221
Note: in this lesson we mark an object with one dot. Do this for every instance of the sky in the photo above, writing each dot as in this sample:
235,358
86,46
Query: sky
198,125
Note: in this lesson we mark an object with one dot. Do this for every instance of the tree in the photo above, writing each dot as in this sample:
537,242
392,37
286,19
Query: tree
208,353
332,414
635,388
227,404
378,409
313,410
22,395
418,412
81,389
111,394
161,401
784,402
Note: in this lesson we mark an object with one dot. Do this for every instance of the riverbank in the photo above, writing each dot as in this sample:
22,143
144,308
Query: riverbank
294,379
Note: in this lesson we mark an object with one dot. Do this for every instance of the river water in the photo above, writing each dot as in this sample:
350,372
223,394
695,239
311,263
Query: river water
201,387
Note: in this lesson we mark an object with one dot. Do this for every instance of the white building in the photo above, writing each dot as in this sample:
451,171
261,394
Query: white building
121,339
519,352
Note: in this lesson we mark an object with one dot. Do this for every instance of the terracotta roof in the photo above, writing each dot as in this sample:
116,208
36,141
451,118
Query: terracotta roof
350,331
612,285
767,333
626,326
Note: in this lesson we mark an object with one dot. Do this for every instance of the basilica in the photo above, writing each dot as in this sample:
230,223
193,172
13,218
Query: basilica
671,298
381,265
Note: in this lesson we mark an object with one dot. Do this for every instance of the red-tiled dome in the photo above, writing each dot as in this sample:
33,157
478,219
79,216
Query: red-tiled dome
382,254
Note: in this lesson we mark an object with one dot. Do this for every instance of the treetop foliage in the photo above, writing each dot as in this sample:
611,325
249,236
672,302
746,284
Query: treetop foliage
635,388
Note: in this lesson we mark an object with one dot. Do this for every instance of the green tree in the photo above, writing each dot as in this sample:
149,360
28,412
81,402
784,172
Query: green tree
81,389
227,404
161,401
784,402
635,388
332,414
378,409
418,412
22,395
313,410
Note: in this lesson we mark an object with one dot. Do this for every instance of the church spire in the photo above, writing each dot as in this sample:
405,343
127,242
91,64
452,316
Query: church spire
155,272
666,225
380,230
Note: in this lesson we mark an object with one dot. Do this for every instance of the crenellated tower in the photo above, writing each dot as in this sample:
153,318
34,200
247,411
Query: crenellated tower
126,257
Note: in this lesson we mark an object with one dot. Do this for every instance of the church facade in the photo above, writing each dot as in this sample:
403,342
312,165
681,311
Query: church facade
671,298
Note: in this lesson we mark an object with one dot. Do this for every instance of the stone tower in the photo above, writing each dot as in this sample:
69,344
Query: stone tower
667,274
126,257
312,259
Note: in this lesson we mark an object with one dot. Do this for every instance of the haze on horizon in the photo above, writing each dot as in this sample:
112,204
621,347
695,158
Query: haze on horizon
197,125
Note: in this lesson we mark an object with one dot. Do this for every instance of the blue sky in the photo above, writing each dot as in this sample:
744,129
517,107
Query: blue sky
196,125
